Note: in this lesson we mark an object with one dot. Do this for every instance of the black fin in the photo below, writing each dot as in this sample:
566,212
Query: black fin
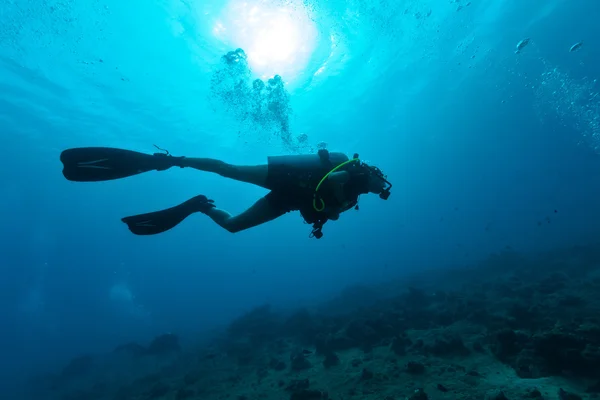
161,221
92,164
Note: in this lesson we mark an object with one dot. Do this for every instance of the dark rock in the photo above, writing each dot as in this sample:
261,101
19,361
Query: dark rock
522,316
78,366
147,380
499,396
299,362
478,347
506,345
417,298
353,298
100,388
590,329
158,390
280,346
564,395
565,351
399,345
322,346
331,360
479,316
184,394
382,327
570,300
474,373
595,388
190,379
442,388
449,346
366,374
81,394
419,394
414,367
362,334
340,342
534,394
234,379
302,326
444,319
261,374
277,365
526,364
242,351
132,349
260,324
552,284
124,393
298,385
356,362
164,344
591,354
307,395
298,323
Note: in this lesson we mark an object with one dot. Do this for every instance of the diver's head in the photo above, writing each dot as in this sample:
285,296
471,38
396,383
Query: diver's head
376,184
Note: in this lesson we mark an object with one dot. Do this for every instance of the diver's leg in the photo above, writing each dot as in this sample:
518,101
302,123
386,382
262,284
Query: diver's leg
255,174
262,211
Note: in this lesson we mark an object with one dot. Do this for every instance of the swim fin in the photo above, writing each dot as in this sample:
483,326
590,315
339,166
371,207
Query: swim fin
161,221
93,164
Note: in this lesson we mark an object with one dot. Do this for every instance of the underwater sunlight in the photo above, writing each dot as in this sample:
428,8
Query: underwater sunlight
278,39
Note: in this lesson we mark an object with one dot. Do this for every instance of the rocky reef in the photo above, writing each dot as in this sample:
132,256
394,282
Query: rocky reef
512,327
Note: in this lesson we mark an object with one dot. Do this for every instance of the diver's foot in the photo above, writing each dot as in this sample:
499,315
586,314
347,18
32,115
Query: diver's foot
200,203
165,161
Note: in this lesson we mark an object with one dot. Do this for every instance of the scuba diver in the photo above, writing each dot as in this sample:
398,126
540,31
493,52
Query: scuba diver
321,186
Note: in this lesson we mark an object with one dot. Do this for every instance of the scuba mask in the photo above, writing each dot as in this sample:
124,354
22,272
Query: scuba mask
376,172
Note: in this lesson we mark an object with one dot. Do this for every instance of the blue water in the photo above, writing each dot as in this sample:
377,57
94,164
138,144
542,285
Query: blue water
487,150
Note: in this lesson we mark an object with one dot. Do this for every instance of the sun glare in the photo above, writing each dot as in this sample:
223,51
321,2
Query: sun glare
277,39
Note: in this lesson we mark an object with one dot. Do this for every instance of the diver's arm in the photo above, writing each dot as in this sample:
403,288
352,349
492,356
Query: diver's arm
339,177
